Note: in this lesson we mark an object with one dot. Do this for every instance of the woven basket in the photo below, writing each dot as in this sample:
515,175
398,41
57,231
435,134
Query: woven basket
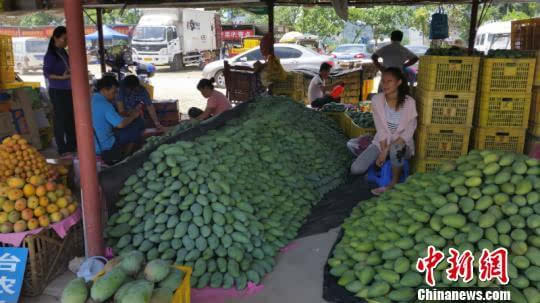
49,256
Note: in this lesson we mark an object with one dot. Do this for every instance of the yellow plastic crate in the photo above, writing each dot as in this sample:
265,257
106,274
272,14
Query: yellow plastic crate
501,75
439,108
183,292
535,106
534,129
343,121
499,138
537,73
438,142
357,131
503,110
7,74
448,74
424,166
12,85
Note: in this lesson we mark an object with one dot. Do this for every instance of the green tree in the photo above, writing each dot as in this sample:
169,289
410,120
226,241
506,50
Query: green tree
114,16
320,21
40,18
420,19
381,19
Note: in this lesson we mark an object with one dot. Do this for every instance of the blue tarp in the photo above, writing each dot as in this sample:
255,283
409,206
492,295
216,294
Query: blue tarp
108,34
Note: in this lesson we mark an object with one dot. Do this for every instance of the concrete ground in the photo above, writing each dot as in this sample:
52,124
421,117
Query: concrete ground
181,85
297,277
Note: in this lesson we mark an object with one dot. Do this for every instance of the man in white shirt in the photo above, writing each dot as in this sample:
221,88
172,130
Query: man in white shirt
394,54
317,91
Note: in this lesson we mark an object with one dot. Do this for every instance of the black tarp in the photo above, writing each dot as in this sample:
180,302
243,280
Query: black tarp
335,206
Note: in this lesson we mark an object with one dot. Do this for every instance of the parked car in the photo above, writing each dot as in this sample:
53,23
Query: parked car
292,57
351,54
29,53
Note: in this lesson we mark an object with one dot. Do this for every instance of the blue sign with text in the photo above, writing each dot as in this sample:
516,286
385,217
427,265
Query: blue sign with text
12,265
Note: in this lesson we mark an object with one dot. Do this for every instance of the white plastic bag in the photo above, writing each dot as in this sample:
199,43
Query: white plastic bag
91,267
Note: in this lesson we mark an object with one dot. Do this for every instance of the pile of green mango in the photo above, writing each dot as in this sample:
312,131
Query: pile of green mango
225,203
484,200
510,54
129,280
362,119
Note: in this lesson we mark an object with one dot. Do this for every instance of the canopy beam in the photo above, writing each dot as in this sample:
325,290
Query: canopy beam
472,29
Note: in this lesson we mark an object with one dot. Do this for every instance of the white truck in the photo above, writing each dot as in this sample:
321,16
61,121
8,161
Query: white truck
176,37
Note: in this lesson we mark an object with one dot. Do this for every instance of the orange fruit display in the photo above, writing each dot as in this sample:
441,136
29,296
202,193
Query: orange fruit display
21,161
29,196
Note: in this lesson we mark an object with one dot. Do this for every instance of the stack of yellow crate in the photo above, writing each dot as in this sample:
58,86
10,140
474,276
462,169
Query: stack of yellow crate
7,71
353,86
534,118
445,99
503,104
292,87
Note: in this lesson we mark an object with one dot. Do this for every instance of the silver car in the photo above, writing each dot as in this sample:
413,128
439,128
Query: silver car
291,56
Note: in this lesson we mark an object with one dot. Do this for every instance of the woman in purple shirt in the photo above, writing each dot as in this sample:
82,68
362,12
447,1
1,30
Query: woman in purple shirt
57,74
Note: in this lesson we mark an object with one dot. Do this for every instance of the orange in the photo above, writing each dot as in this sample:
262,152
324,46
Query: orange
41,191
32,202
52,208
39,211
50,186
32,224
29,190
43,201
3,217
62,202
8,206
20,204
27,214
15,194
56,217
72,208
15,182
44,221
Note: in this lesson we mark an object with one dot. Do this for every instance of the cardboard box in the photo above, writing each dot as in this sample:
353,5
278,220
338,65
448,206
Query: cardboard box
23,119
167,113
6,125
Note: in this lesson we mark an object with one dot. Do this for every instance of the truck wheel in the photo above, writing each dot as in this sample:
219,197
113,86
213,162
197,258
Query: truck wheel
219,77
177,63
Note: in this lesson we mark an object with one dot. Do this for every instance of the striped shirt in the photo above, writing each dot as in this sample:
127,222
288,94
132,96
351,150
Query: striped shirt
392,118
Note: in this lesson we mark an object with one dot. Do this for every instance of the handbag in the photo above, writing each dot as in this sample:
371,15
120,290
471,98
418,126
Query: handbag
111,156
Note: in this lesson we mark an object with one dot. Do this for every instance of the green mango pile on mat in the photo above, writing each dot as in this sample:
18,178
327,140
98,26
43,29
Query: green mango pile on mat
510,54
362,119
154,141
486,199
128,279
225,203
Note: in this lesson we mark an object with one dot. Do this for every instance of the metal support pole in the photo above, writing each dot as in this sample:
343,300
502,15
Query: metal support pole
101,47
83,125
472,29
271,16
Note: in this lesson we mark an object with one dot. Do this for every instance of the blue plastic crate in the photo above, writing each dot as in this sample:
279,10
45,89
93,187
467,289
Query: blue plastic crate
383,176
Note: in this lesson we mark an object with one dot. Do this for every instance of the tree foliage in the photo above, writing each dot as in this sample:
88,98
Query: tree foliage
114,16
321,21
40,18
382,19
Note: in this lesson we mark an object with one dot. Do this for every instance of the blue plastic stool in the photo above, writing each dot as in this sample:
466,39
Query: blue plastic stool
383,176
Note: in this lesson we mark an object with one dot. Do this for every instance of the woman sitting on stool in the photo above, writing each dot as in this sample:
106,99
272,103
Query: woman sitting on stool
216,104
394,113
